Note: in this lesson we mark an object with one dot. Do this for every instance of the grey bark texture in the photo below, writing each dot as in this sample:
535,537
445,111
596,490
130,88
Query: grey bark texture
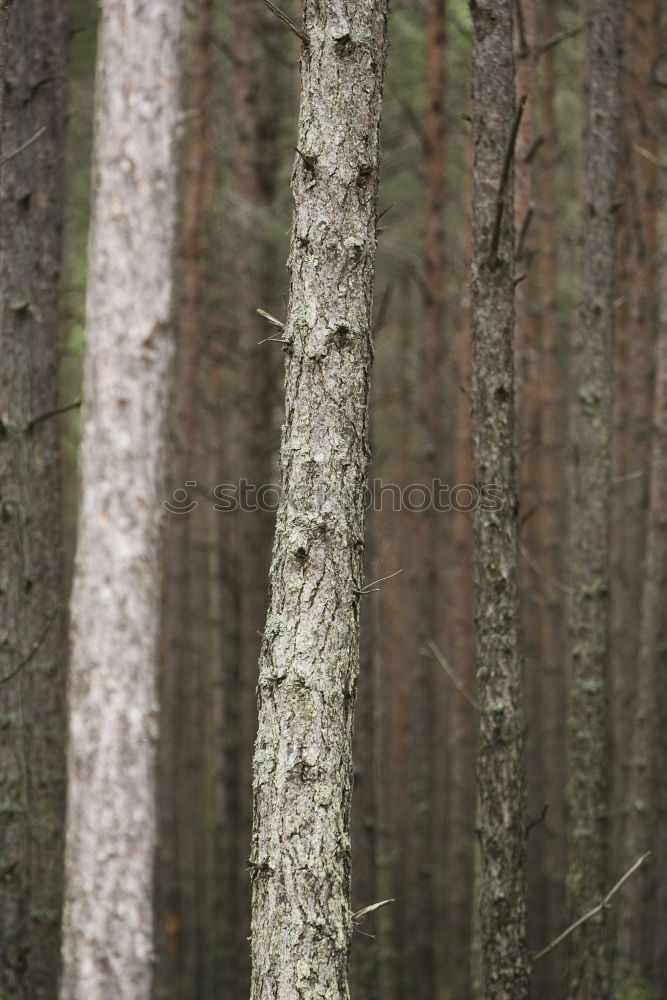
500,772
32,599
107,948
590,448
300,863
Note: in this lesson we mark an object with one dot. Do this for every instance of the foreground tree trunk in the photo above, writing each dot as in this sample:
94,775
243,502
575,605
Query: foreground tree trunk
112,693
32,599
500,772
590,437
300,862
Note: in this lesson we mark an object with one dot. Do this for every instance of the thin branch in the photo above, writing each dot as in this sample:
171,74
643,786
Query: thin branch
414,120
367,588
53,413
35,646
275,339
525,226
502,189
523,44
538,819
532,152
28,142
540,572
648,155
592,913
619,480
440,657
562,36
369,909
271,319
282,16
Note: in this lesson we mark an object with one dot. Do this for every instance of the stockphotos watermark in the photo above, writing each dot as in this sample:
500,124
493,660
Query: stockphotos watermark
377,495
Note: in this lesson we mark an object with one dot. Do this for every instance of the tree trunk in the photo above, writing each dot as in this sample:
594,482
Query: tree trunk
310,654
32,595
550,530
419,964
638,912
112,694
181,877
256,114
636,323
500,760
590,444
462,718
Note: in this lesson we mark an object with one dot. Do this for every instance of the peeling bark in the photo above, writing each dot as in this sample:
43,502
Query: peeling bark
500,758
108,923
301,921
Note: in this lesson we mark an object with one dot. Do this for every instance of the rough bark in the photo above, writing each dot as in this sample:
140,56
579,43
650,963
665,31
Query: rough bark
112,685
301,920
590,452
500,758
32,595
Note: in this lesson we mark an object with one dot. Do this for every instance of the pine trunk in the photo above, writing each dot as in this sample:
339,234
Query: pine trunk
108,920
181,872
32,590
550,529
589,556
300,859
643,831
419,968
256,92
500,759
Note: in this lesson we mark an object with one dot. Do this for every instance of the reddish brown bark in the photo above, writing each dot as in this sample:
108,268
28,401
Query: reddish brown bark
549,835
420,956
180,874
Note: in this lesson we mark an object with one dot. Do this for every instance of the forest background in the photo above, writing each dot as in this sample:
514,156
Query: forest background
414,803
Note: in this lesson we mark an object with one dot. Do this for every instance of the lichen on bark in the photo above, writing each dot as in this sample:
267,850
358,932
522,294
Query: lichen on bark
300,861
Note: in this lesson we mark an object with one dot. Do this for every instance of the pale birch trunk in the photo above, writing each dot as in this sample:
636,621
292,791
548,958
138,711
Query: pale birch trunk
107,948
500,772
301,921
